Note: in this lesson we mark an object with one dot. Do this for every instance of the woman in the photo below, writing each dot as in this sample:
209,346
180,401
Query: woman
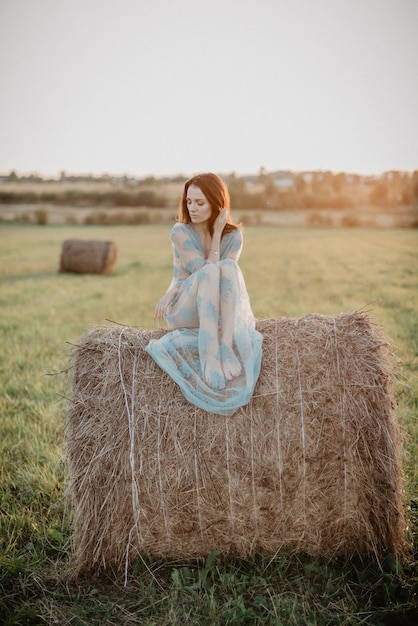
212,351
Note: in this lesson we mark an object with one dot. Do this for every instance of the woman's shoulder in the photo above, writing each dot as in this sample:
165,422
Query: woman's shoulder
184,236
180,228
233,235
232,242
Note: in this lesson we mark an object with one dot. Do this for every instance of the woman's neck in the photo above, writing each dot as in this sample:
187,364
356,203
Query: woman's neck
202,229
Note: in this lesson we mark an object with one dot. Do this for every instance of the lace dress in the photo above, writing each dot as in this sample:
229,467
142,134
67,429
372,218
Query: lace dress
211,304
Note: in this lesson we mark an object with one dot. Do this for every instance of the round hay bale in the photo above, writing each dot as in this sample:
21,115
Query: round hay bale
312,463
88,256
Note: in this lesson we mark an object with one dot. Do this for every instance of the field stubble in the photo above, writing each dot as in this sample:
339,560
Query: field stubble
288,272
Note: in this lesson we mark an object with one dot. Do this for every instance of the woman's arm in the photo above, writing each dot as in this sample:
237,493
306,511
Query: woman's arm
215,248
232,245
187,259
165,301
188,255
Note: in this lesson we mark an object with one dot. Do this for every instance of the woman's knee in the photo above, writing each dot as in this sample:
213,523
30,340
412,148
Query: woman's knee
210,271
228,267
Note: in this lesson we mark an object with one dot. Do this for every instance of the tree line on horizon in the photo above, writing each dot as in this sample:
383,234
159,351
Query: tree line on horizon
265,190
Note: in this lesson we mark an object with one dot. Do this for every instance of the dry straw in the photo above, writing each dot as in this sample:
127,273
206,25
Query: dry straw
88,256
311,464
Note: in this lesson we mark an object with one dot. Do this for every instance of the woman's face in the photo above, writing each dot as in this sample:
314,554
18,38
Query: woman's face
198,206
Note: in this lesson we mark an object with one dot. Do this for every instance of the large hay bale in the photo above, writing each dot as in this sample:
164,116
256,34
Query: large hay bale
311,464
88,256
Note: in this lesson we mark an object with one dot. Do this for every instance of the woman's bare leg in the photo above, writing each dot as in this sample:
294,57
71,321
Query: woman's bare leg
228,297
208,300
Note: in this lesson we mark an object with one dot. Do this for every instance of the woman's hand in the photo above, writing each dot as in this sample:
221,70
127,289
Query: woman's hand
218,226
220,222
164,303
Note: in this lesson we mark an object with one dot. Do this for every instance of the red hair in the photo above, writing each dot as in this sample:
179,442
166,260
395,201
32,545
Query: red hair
216,192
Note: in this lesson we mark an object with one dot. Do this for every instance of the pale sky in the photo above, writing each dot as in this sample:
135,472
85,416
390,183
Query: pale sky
169,87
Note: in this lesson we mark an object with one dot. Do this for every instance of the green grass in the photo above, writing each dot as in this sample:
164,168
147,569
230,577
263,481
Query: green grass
289,272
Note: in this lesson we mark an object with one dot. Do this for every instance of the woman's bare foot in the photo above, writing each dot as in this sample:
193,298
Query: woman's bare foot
230,364
214,374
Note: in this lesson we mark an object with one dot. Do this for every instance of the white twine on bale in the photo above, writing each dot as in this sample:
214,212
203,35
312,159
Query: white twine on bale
143,434
131,426
279,445
342,403
196,469
160,478
302,429
252,468
134,487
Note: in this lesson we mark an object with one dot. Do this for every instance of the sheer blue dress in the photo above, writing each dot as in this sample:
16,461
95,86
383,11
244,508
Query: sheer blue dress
211,324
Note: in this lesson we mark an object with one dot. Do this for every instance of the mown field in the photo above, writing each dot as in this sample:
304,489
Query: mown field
289,272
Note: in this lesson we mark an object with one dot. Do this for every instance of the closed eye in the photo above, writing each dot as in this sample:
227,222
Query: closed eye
198,202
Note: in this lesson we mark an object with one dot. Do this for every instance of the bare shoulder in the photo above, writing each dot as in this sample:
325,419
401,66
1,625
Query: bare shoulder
178,227
179,230
234,235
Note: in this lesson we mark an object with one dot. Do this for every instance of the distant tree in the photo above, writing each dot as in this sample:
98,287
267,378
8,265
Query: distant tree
270,190
328,177
338,182
236,184
308,200
300,183
262,174
149,180
379,193
415,187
